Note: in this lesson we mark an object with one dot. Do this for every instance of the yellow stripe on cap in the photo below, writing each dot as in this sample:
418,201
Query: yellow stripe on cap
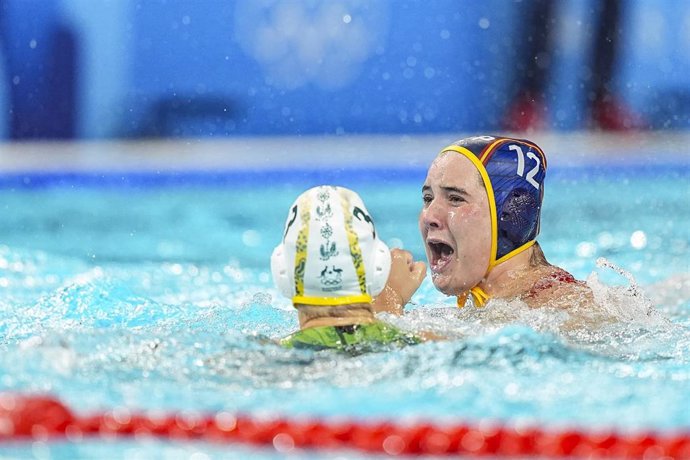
331,301
490,193
301,246
516,251
355,250
478,295
491,147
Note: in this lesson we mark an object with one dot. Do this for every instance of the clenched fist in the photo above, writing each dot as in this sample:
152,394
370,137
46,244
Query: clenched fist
403,281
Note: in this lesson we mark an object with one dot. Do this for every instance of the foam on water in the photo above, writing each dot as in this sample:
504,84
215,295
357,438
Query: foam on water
622,322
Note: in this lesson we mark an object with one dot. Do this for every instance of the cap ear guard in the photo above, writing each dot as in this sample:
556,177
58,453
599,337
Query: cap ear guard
282,277
377,276
518,217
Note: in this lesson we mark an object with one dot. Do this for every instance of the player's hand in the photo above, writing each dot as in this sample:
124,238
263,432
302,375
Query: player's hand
403,281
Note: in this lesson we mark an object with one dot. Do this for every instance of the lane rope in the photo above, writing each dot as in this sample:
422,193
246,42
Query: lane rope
28,417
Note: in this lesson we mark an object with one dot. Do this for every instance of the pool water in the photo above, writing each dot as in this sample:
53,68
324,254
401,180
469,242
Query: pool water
155,293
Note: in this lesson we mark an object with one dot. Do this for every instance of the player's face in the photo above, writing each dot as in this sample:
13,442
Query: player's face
455,224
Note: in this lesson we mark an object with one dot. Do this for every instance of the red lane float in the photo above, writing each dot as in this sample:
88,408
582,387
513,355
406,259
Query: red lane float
35,417
40,417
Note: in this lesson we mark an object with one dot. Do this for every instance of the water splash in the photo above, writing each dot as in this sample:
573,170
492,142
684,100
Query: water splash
629,304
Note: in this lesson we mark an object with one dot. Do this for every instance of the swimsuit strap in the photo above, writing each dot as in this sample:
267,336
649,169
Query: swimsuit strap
553,279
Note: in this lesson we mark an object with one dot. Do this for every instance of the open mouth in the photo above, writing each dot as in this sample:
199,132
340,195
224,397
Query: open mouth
440,255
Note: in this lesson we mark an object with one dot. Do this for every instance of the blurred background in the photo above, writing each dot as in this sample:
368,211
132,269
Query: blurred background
104,69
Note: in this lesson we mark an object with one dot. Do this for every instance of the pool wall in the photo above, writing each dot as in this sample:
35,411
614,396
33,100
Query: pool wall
324,153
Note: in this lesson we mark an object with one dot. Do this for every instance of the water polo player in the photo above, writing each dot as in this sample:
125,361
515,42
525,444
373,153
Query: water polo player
482,200
331,264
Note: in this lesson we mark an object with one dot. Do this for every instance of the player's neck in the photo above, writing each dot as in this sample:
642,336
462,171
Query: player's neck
514,276
344,315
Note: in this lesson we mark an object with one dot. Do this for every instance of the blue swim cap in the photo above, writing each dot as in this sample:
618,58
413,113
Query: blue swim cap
513,172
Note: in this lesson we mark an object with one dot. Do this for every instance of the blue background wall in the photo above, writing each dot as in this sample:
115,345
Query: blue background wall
125,68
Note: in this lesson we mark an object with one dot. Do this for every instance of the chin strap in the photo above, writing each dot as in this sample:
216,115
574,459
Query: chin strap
479,297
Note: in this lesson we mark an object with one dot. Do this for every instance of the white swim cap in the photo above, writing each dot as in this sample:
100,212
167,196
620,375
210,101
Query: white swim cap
330,253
